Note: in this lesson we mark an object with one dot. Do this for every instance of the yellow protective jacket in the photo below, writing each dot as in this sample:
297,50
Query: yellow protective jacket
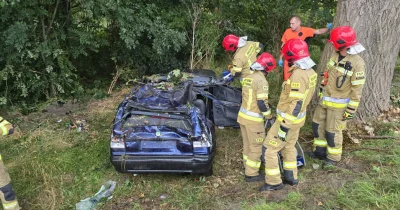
5,127
244,57
254,99
344,87
296,95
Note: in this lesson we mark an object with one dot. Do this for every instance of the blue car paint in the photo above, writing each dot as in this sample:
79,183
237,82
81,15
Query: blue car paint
161,140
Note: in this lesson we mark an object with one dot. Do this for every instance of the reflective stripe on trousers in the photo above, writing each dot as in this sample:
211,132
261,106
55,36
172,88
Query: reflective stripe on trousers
334,151
253,164
320,142
273,171
289,165
11,205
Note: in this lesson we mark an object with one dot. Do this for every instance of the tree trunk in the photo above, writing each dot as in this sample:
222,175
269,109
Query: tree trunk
376,23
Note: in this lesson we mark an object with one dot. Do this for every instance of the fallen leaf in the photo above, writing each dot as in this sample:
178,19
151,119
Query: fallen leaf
320,203
141,195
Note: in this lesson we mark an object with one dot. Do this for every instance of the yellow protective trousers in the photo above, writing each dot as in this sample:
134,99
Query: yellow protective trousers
253,136
327,126
287,149
7,194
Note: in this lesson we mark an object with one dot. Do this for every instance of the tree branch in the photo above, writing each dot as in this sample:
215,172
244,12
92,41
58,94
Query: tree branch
43,28
52,19
378,137
68,2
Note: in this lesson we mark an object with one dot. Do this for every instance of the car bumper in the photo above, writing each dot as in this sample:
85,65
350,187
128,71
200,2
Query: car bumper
195,164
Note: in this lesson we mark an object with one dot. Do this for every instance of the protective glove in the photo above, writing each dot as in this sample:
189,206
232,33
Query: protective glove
347,116
320,94
329,26
11,131
227,76
282,132
280,63
267,117
269,122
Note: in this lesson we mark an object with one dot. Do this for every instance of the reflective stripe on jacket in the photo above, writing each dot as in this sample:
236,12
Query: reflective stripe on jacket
5,126
244,57
254,91
296,95
344,87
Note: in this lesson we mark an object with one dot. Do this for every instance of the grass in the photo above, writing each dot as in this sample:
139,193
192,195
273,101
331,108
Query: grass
379,187
53,167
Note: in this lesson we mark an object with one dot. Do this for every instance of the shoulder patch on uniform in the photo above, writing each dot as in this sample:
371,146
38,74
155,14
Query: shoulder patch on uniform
246,81
313,80
250,51
295,85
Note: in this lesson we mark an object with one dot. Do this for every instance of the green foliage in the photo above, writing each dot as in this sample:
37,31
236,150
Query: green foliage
59,48
52,48
385,129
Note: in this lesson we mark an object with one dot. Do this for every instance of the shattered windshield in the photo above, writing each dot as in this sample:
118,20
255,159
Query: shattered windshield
144,120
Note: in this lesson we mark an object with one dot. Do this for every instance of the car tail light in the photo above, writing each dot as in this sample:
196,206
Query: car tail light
117,142
204,142
201,144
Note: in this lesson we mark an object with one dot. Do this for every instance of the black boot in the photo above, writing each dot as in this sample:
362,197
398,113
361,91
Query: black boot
267,187
316,155
288,178
328,163
258,178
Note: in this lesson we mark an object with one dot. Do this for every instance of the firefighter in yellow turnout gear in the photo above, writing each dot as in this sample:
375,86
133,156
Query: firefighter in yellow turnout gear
291,114
245,53
7,194
252,112
339,96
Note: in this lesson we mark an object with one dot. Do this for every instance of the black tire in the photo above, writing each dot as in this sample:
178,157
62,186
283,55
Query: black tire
209,172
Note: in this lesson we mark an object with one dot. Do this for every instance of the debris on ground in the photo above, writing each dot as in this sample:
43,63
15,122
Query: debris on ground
315,166
91,203
79,125
163,196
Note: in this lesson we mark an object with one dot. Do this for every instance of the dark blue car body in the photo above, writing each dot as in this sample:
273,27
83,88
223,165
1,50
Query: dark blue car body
158,131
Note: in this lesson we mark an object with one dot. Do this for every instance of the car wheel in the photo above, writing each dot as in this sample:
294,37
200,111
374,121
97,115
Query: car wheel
209,172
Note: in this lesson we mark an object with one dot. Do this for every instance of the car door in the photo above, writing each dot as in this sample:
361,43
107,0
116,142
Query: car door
226,105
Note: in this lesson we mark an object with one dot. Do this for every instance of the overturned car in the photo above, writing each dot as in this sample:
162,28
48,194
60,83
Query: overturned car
167,123
162,126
